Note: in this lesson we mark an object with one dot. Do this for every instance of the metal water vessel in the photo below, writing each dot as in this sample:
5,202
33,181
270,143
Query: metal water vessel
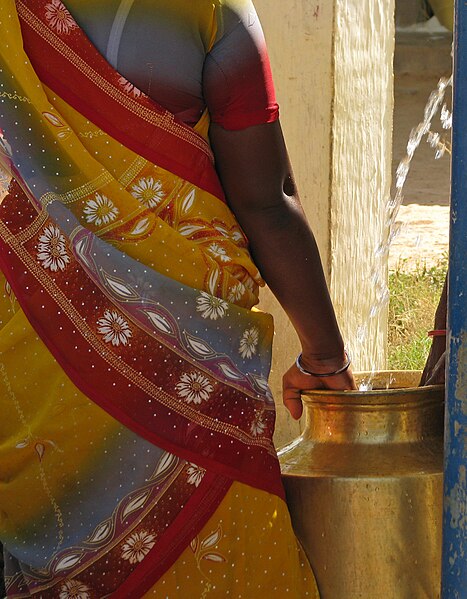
364,487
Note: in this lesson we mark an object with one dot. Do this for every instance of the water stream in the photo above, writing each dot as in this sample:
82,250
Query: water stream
441,143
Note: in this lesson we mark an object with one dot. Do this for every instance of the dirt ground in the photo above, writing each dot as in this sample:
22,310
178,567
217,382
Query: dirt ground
424,215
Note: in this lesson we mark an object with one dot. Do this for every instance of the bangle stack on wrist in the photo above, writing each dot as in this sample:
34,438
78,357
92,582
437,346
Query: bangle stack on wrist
324,374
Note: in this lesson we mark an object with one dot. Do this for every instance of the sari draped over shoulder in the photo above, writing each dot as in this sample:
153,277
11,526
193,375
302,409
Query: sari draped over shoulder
137,422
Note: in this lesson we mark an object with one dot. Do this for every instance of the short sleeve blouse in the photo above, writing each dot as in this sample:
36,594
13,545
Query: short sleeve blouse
237,80
188,55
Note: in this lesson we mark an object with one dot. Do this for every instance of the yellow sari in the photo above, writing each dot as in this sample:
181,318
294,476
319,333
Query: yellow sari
136,454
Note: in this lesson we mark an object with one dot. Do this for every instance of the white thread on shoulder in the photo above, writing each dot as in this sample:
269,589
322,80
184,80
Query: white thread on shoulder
115,36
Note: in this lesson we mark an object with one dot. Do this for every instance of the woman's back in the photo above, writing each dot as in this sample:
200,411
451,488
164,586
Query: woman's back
186,55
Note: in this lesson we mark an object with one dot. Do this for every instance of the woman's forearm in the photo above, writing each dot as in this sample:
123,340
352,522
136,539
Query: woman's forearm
254,169
285,251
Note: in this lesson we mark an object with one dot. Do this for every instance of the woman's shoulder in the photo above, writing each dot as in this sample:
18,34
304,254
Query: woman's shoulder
231,13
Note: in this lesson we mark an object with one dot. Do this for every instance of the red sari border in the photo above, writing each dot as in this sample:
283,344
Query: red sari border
163,555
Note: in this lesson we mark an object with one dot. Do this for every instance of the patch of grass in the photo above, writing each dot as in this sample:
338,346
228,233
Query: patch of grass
414,297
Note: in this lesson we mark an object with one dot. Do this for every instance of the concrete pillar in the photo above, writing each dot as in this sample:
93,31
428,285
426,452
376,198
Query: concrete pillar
361,174
332,64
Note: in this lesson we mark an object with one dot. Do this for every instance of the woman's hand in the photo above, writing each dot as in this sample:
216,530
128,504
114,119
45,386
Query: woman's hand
295,382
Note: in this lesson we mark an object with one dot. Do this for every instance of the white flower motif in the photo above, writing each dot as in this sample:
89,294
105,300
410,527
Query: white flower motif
5,148
248,343
114,328
100,211
250,284
239,238
137,546
58,17
73,589
195,474
258,425
210,306
51,249
5,178
194,387
237,292
129,88
148,191
219,252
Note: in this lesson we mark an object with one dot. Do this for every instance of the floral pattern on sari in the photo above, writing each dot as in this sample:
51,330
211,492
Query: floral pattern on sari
135,528
136,278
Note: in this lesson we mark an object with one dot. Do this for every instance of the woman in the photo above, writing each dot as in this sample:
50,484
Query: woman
137,456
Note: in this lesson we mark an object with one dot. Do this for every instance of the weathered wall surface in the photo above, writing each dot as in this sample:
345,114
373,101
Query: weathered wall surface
332,64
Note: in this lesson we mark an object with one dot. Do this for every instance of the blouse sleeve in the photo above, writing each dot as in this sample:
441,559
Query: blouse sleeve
237,79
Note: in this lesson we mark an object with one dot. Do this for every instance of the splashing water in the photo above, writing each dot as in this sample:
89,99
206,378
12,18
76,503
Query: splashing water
365,386
441,143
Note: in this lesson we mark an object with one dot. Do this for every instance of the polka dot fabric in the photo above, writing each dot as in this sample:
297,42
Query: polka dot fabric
136,454
245,551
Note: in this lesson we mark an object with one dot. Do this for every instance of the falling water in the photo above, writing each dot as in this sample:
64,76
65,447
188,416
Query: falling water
441,143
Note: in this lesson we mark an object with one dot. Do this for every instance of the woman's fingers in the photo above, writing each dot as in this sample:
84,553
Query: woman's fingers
294,404
341,382
294,383
292,390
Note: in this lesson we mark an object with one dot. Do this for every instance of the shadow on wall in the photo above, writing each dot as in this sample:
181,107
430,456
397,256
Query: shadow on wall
2,585
409,12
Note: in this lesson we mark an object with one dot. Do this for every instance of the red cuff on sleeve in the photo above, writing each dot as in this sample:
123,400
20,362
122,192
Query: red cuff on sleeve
237,121
237,80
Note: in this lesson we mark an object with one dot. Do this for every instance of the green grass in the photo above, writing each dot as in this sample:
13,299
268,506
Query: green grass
414,299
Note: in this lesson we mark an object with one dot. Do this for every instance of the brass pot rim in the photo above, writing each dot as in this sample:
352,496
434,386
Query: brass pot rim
374,397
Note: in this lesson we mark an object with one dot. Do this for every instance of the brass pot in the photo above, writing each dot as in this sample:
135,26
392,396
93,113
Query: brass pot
364,487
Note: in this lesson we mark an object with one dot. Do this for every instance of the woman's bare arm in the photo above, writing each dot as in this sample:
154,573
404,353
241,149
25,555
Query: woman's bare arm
255,172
